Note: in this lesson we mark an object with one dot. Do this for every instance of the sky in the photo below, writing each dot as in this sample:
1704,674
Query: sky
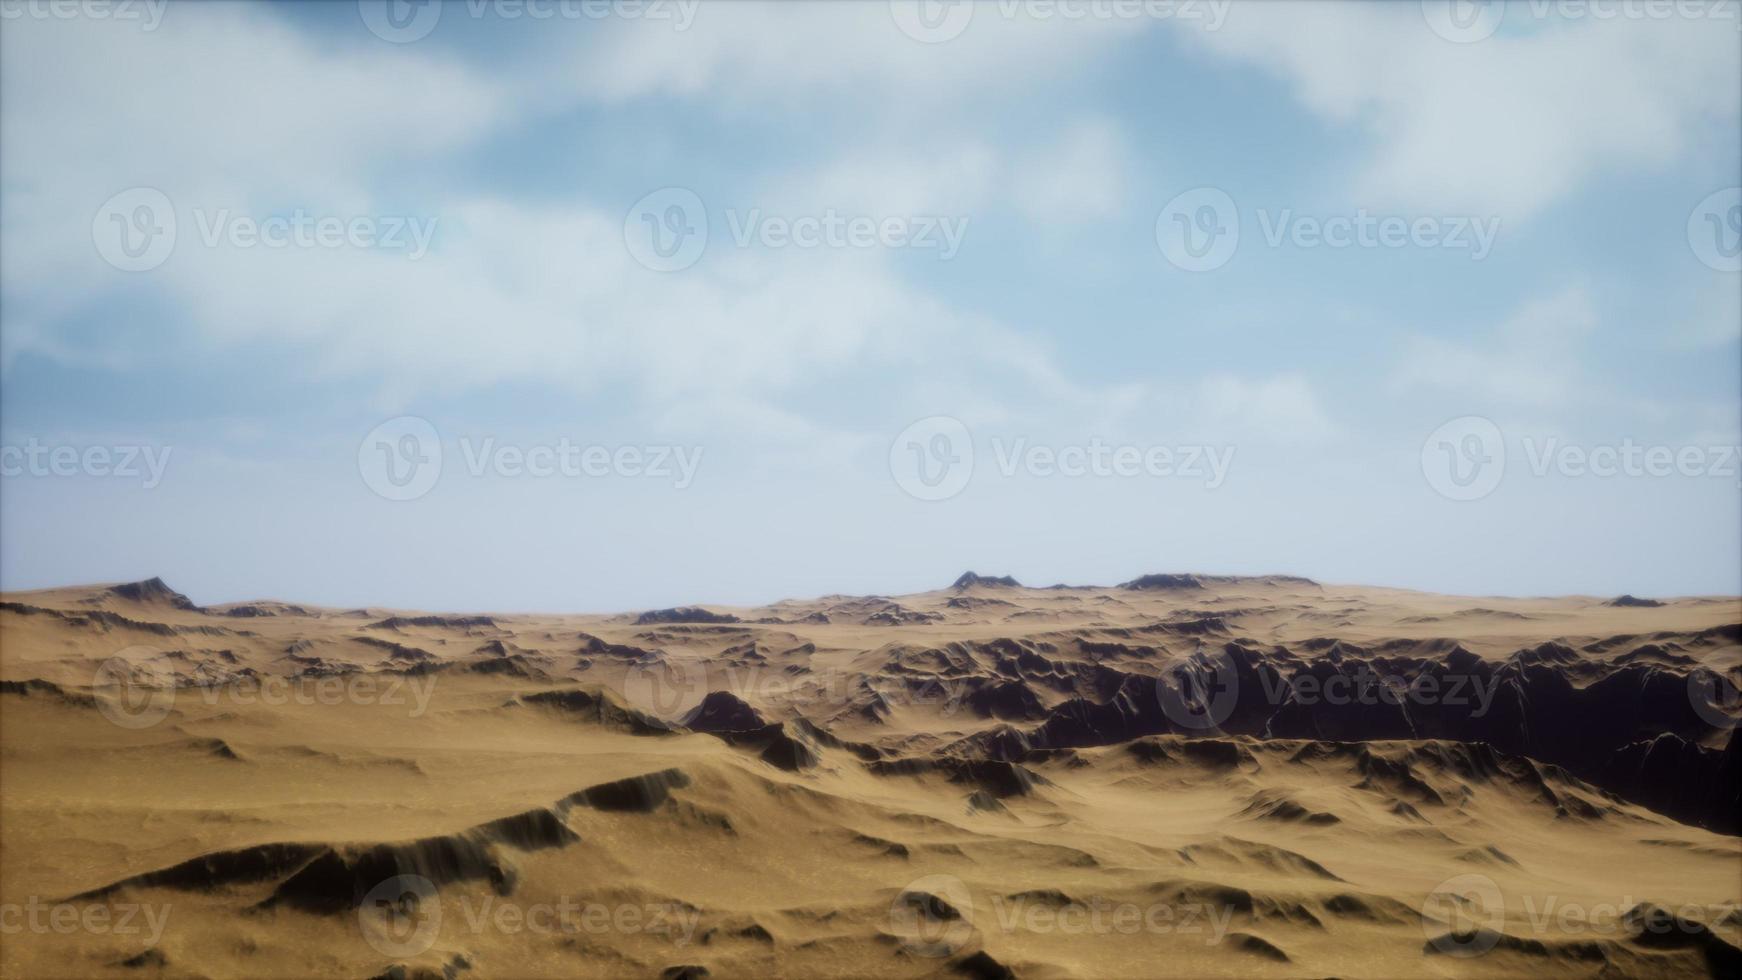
589,306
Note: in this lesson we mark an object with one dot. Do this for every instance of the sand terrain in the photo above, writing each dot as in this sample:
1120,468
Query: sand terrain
1179,776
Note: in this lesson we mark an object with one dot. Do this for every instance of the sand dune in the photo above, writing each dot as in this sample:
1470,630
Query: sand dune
1183,775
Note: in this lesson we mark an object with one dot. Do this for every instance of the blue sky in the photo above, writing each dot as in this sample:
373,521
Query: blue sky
1597,316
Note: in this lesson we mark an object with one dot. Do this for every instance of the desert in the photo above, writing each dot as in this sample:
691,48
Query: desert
1182,775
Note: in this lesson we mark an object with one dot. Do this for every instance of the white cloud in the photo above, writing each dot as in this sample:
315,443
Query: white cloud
744,55
224,105
1505,126
228,107
548,292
